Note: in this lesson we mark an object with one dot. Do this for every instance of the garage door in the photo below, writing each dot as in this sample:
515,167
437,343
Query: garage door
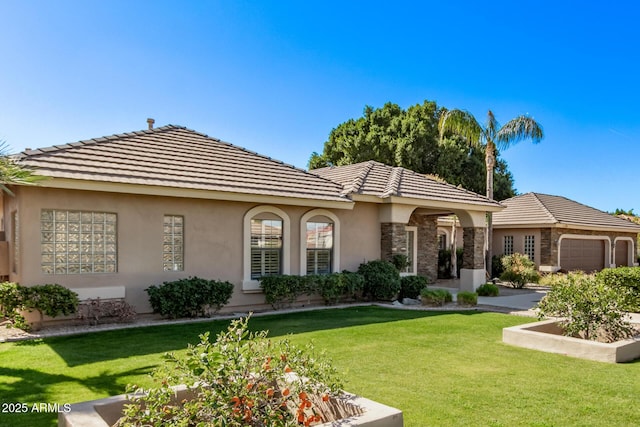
622,253
579,254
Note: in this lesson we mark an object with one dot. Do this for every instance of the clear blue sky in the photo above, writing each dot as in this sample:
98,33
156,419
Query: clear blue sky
277,76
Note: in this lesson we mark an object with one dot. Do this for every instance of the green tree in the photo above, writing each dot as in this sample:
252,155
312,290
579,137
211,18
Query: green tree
12,172
491,136
410,138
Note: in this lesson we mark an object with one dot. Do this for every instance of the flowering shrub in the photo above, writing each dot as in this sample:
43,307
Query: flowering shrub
241,379
519,270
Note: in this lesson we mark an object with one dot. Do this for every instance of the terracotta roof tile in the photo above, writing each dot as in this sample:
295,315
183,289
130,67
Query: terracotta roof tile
536,209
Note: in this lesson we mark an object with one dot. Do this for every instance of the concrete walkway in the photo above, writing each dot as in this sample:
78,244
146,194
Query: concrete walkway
522,301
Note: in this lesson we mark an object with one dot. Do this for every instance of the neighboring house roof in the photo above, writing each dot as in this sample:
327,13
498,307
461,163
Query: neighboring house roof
174,156
535,209
376,179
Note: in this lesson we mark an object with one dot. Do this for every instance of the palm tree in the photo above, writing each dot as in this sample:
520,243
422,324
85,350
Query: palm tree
12,172
490,137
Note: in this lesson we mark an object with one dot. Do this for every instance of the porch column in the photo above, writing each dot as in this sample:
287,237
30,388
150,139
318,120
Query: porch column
473,273
427,245
393,240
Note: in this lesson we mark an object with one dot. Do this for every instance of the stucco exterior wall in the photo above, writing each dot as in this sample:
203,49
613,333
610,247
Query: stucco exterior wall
546,242
213,240
518,241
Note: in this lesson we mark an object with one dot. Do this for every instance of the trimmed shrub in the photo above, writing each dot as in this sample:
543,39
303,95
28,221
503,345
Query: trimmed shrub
519,270
52,300
589,308
467,298
337,287
410,286
282,290
488,290
435,297
627,281
381,280
190,297
11,302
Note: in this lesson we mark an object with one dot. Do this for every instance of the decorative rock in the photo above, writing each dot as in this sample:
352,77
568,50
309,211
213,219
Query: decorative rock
411,301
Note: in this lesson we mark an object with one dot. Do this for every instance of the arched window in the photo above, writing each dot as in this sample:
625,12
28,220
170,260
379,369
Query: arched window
266,245
319,242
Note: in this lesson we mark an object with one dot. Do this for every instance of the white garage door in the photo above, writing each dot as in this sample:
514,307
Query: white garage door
580,254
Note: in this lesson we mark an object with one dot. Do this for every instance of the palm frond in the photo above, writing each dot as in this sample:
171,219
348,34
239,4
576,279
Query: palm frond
461,123
518,129
13,172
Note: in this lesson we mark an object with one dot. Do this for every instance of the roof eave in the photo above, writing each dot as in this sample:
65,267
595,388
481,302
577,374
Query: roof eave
157,190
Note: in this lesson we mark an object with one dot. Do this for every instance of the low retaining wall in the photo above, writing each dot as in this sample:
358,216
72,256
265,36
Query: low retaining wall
106,412
547,336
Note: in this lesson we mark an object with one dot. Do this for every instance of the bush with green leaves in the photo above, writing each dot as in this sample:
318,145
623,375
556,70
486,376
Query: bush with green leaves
488,290
241,379
410,286
496,266
381,280
190,297
51,300
587,308
519,270
282,290
435,297
444,262
11,302
337,287
467,298
627,281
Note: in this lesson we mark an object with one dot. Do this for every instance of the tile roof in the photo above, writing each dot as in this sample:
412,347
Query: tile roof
541,209
377,179
174,156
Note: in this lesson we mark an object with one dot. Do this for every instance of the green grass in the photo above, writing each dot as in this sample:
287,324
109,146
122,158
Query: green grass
438,368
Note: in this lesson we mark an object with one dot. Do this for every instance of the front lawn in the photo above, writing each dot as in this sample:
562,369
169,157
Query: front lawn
438,368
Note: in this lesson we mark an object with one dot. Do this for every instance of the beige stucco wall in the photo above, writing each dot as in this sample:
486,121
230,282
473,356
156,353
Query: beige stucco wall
518,241
213,239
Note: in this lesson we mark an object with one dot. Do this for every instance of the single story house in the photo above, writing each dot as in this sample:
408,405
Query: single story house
560,234
123,212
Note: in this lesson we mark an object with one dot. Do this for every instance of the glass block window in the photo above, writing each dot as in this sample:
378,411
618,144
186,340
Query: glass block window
78,242
529,246
15,228
173,243
266,247
508,245
319,247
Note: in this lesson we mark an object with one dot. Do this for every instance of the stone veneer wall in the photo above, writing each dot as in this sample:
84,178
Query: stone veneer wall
427,245
547,248
473,239
393,240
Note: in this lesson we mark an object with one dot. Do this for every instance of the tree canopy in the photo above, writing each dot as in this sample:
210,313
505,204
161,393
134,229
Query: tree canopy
411,139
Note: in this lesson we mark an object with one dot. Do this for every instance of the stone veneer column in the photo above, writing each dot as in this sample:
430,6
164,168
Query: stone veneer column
473,272
547,248
393,240
427,253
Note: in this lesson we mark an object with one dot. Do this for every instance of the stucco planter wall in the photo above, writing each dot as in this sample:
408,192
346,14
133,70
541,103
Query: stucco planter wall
547,336
105,412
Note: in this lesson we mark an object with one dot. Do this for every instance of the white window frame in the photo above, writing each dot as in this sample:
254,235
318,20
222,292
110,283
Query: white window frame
335,262
414,260
250,285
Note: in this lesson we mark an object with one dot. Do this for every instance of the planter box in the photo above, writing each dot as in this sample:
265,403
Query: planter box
547,336
105,412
